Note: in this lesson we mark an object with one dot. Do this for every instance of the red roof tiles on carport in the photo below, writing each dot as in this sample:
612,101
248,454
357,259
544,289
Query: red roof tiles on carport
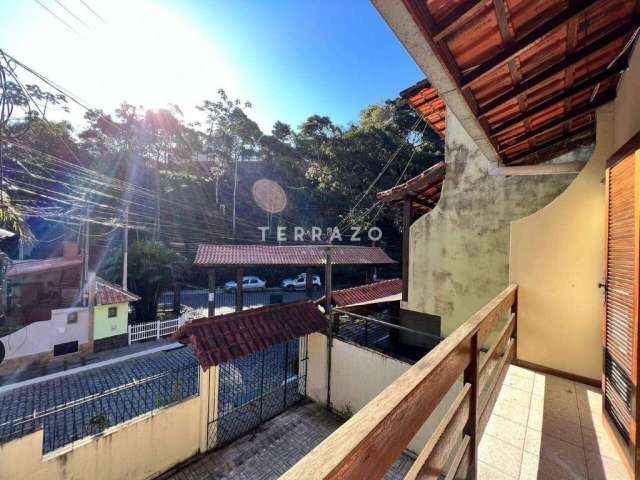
367,293
220,339
300,255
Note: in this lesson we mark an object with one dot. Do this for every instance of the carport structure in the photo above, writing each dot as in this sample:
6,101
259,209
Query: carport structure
241,257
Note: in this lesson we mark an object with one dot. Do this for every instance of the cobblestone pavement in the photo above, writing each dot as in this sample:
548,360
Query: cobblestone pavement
272,449
166,376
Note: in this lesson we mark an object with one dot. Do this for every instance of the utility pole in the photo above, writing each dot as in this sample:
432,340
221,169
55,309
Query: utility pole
85,269
125,247
235,188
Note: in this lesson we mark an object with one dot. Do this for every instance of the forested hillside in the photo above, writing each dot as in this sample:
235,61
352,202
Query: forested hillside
171,178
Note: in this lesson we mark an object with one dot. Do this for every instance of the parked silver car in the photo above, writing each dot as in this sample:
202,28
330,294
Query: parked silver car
300,283
249,283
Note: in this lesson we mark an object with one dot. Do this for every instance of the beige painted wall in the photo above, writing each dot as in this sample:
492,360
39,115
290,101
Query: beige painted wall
557,253
139,449
358,375
557,261
459,252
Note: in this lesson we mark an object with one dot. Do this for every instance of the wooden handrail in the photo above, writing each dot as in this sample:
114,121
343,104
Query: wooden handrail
368,444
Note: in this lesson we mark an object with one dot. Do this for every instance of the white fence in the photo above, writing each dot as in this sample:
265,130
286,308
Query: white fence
157,329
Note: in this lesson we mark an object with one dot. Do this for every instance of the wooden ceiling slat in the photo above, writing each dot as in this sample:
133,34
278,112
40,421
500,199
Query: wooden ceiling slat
578,133
562,96
571,60
533,38
531,71
558,121
460,17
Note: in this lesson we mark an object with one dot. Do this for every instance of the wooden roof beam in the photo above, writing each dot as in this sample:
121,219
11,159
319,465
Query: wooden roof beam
561,96
578,133
534,37
460,17
572,115
551,71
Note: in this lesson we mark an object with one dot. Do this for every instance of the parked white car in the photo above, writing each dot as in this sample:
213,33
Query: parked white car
300,283
253,284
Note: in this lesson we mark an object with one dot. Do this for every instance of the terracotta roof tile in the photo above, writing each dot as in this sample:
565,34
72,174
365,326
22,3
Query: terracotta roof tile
300,255
109,294
220,339
366,293
424,190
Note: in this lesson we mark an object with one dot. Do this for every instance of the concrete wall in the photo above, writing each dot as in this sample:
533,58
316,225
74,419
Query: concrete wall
557,261
459,252
139,449
40,337
109,327
358,374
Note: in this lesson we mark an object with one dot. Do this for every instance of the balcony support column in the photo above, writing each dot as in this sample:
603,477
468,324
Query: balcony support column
406,227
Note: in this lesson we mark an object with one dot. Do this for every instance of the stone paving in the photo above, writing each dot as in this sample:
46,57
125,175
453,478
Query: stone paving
273,448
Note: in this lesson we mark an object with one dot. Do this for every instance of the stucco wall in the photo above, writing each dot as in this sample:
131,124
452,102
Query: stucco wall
109,327
557,261
459,252
139,449
359,374
40,337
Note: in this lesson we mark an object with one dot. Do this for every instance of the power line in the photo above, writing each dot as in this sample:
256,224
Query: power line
92,10
71,13
52,13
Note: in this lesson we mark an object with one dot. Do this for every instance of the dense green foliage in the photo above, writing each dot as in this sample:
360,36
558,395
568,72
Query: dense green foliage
151,271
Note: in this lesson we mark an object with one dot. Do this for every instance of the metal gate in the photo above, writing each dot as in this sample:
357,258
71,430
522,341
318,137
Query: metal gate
255,388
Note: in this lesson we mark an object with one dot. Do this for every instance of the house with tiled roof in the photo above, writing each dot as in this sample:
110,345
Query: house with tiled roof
47,315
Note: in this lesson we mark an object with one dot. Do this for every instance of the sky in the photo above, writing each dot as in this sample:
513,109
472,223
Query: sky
290,59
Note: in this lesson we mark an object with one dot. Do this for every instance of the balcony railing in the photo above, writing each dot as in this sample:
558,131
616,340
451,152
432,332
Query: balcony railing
476,356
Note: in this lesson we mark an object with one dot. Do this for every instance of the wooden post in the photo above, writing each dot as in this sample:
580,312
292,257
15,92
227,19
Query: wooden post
327,284
239,278
309,283
212,292
125,249
177,302
327,311
406,226
471,429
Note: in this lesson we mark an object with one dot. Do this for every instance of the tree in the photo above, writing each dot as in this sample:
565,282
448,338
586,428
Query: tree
151,271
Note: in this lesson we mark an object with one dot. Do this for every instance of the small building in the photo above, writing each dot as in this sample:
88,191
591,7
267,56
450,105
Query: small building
111,315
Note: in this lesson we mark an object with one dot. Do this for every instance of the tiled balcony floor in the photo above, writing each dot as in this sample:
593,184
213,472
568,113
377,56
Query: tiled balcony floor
548,428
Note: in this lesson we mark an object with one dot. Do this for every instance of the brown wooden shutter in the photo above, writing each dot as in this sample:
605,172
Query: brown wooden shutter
621,291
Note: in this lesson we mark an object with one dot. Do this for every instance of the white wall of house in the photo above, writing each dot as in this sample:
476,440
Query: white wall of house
40,337
358,375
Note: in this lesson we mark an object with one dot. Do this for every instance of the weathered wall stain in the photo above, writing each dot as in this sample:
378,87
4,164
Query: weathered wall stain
459,251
